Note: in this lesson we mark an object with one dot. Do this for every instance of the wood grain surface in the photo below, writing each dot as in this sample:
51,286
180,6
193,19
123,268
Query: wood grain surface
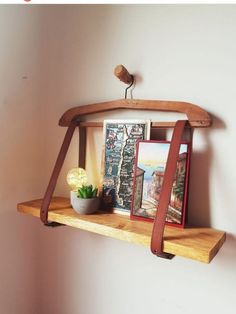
200,244
196,115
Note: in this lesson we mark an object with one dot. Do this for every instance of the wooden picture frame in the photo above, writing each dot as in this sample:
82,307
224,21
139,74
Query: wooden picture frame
149,170
120,138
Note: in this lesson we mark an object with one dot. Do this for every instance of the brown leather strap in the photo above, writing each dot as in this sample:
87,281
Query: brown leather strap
82,147
56,171
171,165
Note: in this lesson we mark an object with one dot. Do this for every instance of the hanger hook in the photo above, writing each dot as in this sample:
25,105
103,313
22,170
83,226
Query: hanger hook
126,90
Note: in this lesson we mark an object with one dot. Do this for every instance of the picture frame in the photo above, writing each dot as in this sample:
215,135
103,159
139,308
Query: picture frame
120,138
149,171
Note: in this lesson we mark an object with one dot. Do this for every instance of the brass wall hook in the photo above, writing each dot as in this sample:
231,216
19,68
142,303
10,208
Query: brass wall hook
123,75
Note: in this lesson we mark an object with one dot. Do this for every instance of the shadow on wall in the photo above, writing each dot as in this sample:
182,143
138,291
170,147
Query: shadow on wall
199,207
227,254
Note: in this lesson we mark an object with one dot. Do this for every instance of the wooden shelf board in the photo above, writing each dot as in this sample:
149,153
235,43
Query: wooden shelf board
200,244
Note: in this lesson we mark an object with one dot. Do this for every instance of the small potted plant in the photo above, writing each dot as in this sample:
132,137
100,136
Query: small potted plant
85,200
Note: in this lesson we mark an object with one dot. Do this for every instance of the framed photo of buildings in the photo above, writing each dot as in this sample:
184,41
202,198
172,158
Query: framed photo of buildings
120,138
149,171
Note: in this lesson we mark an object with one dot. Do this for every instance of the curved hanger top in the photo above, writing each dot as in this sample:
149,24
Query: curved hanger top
197,116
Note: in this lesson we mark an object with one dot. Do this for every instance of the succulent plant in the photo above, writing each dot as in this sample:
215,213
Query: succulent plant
87,191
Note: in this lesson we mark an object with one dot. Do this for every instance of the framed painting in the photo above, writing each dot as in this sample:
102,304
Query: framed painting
120,138
149,172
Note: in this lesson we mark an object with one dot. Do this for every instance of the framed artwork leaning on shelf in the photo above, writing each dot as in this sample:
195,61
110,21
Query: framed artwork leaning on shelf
120,138
149,172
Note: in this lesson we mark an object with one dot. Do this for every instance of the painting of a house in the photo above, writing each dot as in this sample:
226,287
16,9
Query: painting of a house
139,177
149,175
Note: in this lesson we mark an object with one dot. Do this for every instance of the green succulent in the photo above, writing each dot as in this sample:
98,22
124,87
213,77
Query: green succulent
87,191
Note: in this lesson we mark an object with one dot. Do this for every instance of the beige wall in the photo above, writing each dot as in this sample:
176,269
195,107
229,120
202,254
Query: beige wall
178,52
20,155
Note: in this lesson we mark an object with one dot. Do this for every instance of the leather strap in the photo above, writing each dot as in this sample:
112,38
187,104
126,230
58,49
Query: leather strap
56,171
171,165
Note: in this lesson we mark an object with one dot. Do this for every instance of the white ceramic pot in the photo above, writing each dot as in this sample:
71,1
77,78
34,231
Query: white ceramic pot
84,206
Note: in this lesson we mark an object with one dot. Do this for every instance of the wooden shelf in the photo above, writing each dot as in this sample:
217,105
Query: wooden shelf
200,244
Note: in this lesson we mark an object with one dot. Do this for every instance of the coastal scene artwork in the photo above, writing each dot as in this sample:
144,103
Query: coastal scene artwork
120,139
149,173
